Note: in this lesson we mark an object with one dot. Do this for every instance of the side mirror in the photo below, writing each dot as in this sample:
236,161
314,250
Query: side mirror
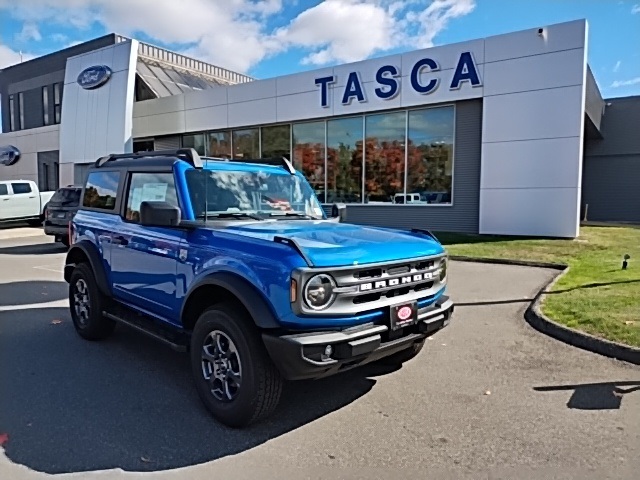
159,214
339,210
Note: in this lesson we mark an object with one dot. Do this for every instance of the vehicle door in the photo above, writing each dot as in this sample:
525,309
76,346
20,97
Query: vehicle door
5,202
25,201
144,259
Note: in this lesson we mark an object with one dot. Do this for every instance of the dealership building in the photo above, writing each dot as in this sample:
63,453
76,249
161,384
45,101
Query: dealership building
507,134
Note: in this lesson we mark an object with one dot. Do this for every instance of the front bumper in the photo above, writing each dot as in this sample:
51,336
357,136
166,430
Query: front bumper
301,355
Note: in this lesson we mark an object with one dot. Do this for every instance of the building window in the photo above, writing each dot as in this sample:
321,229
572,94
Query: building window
21,110
219,144
101,190
57,102
276,141
246,143
384,156
12,113
344,160
194,141
45,105
430,154
309,154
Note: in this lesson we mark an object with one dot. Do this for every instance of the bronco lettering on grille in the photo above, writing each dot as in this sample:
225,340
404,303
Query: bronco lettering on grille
393,282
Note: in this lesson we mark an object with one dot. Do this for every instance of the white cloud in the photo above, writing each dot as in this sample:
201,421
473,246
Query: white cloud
616,67
626,83
29,32
635,9
59,38
10,57
234,33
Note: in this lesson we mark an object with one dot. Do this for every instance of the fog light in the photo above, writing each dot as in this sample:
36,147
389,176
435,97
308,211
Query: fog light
328,350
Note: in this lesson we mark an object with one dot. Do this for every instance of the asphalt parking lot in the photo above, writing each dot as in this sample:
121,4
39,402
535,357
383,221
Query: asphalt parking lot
488,398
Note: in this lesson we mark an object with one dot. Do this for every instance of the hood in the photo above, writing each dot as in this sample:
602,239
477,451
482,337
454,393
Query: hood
329,244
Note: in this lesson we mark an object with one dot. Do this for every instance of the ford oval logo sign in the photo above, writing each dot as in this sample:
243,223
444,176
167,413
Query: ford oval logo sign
94,77
9,155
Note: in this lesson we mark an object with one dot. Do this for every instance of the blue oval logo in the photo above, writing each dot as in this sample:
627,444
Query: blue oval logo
9,155
94,77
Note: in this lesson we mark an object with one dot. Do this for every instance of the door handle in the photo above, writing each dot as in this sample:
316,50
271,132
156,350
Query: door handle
32,197
120,240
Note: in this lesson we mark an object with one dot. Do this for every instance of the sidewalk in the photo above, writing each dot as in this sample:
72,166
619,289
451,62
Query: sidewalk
7,233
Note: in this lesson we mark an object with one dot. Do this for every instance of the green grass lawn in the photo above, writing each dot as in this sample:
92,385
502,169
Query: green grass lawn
596,295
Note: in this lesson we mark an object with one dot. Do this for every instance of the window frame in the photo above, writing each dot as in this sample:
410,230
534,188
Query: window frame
45,105
57,103
117,206
21,110
21,183
12,113
127,189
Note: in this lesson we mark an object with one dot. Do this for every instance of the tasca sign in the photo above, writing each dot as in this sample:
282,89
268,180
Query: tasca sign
389,79
9,155
94,77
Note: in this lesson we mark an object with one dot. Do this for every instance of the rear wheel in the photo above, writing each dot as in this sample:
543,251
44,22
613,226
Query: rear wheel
234,376
86,303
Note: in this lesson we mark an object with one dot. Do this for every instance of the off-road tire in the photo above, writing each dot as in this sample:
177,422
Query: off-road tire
93,326
261,383
403,355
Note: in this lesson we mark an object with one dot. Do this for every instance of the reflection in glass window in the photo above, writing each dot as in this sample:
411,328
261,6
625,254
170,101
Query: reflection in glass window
259,193
276,141
384,156
344,160
246,143
194,141
430,154
219,144
308,153
101,190
149,187
45,105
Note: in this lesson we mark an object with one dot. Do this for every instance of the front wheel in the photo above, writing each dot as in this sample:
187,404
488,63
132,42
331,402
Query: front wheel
234,376
86,303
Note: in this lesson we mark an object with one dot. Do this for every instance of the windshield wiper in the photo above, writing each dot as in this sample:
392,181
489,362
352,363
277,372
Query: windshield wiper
293,214
232,215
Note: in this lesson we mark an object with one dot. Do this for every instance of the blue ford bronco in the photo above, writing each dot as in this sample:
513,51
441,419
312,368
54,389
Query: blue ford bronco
236,262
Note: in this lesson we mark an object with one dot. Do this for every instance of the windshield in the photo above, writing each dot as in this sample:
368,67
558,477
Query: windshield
66,196
259,193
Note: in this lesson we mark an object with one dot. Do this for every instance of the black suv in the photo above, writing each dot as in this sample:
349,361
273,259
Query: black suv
60,211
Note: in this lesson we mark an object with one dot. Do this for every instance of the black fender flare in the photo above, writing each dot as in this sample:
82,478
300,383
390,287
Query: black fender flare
90,252
244,291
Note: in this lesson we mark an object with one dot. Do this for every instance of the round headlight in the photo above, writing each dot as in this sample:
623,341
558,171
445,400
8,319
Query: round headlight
318,292
443,269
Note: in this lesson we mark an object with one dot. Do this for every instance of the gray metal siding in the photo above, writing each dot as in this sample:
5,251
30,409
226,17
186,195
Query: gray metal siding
48,170
167,143
611,188
33,109
611,171
463,215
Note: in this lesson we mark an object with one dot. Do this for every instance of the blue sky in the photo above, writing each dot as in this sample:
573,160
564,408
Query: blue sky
267,38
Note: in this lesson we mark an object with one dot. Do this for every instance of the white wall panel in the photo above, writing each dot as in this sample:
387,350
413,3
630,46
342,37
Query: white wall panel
373,102
206,118
245,92
530,211
66,172
564,36
47,141
531,163
252,113
301,82
549,70
367,69
447,56
534,114
164,124
410,98
174,103
301,105
202,99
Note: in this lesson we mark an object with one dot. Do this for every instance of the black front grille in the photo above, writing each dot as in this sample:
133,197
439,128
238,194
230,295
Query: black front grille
370,273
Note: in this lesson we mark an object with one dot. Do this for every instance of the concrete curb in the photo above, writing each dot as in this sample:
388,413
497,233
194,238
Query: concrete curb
534,317
504,261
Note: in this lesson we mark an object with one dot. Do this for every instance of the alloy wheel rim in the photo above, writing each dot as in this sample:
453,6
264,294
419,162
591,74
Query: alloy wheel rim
81,303
221,367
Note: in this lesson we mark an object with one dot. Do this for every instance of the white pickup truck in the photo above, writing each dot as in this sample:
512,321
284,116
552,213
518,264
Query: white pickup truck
21,200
